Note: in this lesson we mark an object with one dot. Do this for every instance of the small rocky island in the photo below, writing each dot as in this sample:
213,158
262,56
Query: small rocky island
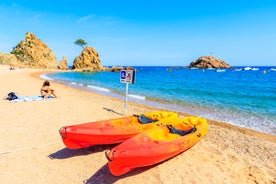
209,62
88,60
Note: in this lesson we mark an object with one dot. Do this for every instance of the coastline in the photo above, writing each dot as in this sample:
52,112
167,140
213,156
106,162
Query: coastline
32,151
250,106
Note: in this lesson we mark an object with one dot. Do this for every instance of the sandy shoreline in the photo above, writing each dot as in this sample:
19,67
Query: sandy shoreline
31,150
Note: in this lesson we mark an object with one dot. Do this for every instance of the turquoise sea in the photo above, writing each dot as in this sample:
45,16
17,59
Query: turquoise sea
241,96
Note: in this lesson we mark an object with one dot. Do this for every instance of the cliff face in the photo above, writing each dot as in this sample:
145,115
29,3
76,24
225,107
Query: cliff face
209,62
88,60
33,53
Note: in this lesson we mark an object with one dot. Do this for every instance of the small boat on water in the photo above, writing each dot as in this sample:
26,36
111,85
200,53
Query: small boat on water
238,69
247,68
220,70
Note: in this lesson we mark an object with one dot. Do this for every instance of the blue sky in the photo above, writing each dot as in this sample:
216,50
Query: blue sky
147,32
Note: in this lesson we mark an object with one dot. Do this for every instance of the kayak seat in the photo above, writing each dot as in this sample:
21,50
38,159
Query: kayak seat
181,132
145,120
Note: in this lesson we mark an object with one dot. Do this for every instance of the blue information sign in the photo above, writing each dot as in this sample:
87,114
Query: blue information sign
127,76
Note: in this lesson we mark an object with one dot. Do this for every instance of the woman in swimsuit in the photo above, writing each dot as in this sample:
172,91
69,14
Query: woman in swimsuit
46,91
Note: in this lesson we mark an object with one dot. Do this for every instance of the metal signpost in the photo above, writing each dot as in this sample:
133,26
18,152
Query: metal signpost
128,77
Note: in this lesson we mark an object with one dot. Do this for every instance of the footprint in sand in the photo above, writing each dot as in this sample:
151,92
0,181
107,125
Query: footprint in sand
213,150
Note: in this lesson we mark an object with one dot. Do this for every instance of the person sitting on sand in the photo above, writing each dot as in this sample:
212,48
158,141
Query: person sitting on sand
46,91
12,67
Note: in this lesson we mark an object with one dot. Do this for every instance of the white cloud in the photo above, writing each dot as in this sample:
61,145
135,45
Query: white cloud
85,18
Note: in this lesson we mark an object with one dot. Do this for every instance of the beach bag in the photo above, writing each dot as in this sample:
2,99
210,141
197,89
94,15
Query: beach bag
12,96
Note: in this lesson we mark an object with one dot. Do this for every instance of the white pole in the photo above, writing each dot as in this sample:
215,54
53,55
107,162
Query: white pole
125,108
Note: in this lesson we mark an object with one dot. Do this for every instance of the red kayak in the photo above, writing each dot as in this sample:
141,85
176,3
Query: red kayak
156,145
113,130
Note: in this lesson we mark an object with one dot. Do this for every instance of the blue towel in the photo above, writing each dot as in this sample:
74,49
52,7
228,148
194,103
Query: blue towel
30,98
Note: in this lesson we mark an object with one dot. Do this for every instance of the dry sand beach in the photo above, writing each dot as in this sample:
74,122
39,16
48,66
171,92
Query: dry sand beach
31,150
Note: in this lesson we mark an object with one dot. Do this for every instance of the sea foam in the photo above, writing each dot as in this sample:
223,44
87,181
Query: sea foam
137,96
98,88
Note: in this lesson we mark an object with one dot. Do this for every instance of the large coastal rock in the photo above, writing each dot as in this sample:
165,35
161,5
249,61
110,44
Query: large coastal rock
209,62
63,64
33,53
88,60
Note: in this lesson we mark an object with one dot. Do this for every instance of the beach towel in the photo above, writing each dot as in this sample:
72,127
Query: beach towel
30,98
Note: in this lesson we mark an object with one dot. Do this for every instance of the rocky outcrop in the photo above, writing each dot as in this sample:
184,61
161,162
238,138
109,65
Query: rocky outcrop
119,68
209,62
88,60
8,59
63,64
33,53
116,68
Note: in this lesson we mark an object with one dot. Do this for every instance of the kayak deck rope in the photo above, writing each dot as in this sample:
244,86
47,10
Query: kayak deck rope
62,132
106,155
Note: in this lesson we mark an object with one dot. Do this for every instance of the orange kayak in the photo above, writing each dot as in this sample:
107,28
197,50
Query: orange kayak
111,131
156,145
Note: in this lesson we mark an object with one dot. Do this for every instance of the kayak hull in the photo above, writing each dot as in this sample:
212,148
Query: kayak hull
110,131
154,146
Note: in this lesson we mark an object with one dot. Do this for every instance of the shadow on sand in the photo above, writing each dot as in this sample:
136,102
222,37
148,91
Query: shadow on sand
111,110
68,153
104,176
